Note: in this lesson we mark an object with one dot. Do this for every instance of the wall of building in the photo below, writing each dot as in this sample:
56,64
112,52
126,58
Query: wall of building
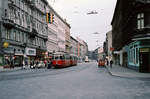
23,26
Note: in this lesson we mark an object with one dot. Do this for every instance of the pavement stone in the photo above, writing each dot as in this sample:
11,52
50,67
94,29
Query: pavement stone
121,71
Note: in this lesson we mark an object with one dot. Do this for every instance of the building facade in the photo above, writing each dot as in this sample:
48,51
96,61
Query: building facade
52,43
23,30
58,33
74,46
108,49
80,49
67,38
130,33
63,27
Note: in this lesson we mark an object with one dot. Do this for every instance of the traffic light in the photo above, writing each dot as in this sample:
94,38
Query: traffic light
48,18
52,17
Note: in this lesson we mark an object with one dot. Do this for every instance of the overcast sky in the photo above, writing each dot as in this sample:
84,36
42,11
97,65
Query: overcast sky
83,25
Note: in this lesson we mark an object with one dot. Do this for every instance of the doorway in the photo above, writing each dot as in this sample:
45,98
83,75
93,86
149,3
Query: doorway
144,60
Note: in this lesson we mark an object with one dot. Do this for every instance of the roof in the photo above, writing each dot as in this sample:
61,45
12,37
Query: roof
115,11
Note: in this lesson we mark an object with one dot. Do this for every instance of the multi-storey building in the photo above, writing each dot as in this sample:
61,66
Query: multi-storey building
82,49
23,29
130,33
108,49
59,33
52,43
74,46
67,38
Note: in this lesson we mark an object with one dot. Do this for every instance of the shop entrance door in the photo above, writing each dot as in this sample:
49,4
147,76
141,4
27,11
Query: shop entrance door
144,60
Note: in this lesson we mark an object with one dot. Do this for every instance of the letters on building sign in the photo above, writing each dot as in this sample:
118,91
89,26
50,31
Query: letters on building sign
30,51
144,50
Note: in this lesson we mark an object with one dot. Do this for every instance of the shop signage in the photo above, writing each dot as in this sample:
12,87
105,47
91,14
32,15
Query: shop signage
31,51
144,50
111,49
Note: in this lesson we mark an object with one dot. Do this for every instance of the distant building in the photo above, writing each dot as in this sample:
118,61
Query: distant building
108,49
82,49
95,54
74,46
100,53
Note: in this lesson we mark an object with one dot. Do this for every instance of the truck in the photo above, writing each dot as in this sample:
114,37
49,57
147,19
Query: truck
86,59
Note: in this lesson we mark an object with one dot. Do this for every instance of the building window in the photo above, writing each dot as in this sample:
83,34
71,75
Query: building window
14,38
6,12
22,36
7,34
140,21
19,36
25,37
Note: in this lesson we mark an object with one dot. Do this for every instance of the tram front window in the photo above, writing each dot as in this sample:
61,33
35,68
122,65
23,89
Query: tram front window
61,57
56,57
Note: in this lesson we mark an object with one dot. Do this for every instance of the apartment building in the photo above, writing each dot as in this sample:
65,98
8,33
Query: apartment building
23,29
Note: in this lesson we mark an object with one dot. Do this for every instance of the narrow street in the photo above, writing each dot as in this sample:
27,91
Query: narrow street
85,81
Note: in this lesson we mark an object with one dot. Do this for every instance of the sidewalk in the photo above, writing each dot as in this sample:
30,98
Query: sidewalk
9,70
120,71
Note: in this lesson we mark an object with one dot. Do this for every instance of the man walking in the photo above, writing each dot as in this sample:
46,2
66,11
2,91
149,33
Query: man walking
111,62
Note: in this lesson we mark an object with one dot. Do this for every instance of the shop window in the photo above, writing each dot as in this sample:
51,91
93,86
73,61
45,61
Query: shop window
1,60
137,56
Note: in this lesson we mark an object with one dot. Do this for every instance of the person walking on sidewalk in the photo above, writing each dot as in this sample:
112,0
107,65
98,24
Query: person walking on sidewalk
111,62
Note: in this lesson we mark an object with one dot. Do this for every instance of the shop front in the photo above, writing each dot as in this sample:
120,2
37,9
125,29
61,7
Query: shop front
13,55
41,54
139,55
30,55
1,59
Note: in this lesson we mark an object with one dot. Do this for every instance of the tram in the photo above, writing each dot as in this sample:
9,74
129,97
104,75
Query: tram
73,60
62,59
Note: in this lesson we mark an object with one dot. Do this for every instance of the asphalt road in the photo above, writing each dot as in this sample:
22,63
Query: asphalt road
85,81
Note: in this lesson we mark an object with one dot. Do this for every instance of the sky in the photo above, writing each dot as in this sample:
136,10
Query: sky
83,25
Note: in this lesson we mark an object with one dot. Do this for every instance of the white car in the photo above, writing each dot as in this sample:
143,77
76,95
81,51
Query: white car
41,65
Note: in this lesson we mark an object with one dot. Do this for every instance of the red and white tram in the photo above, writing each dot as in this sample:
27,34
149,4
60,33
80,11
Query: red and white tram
61,59
73,60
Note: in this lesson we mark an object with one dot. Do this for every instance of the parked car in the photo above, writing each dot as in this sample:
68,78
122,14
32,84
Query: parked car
41,65
101,63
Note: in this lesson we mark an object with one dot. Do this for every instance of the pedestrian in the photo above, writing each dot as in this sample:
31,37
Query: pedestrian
31,63
11,64
111,62
107,63
49,64
45,63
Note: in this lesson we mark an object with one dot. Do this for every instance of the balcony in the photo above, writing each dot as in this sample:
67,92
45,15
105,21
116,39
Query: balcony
7,22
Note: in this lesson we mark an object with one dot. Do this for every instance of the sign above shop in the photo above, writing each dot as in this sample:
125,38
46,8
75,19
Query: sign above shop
144,50
31,51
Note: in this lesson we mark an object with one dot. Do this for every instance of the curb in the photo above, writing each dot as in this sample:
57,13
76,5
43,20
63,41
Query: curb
125,76
12,70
